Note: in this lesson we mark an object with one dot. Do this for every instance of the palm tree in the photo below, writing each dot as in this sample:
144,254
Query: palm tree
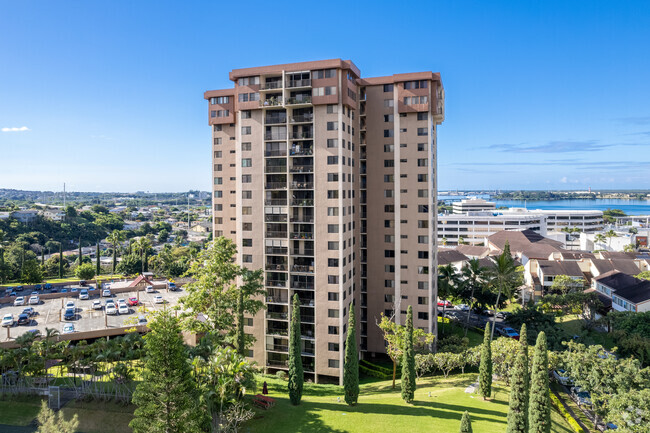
447,280
610,234
143,245
473,278
599,238
504,277
115,238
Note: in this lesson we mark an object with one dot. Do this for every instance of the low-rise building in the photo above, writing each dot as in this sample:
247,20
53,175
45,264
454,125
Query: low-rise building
473,205
474,227
25,216
626,292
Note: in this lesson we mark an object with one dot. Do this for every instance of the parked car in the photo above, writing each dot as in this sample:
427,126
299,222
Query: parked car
149,289
19,301
83,294
97,304
54,290
562,377
158,299
68,328
133,301
508,332
69,314
611,426
24,319
171,286
123,309
82,282
74,290
584,398
34,300
110,308
106,293
8,320
34,293
64,290
19,288
444,303
48,286
38,287
70,304
142,320
461,307
29,311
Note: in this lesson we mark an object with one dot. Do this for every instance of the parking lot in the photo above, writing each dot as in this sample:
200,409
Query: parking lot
49,313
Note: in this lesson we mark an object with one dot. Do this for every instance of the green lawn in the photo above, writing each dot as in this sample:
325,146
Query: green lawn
447,327
19,411
100,417
381,409
571,326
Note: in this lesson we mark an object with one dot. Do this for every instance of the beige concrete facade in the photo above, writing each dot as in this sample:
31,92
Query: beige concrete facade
304,158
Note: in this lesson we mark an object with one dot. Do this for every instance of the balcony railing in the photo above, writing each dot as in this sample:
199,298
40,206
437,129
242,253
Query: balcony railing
301,135
302,219
277,250
301,118
277,347
275,169
277,331
275,363
305,252
271,102
275,315
300,285
275,218
302,202
302,169
272,85
305,82
302,235
301,151
302,185
275,267
277,299
275,120
276,234
298,100
276,283
306,319
306,302
271,136
302,268
275,202
275,185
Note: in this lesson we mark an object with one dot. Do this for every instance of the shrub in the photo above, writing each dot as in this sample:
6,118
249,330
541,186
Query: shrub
281,374
567,416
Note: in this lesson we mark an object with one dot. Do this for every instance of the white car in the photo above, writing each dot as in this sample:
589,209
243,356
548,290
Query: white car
34,300
68,328
110,308
106,293
123,309
70,304
158,299
561,376
7,320
97,305
149,289
19,301
462,307
83,294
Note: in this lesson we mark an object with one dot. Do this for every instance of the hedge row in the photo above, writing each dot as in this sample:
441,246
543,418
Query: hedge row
567,416
374,370
376,367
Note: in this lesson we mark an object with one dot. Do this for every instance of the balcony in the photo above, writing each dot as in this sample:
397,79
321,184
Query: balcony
302,268
271,85
277,316
300,151
277,299
277,347
302,169
305,252
302,118
302,202
276,234
298,100
277,250
306,319
302,219
302,235
277,331
302,185
275,202
303,285
276,120
277,363
275,185
276,267
275,218
275,169
269,136
306,303
271,102
302,135
276,283
305,82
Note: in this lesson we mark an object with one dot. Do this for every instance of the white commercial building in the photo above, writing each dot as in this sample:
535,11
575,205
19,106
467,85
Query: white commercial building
473,205
473,227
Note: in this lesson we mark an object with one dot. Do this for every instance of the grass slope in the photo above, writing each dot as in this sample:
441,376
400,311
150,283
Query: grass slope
20,411
381,409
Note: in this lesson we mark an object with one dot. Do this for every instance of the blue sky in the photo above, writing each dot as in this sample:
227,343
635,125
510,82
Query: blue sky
540,94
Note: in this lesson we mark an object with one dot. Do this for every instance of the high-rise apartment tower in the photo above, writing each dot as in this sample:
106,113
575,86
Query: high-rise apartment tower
327,181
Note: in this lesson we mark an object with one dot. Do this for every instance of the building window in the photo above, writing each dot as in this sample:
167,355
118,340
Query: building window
423,254
389,147
423,178
423,115
333,193
389,103
332,109
247,210
332,142
423,239
333,246
218,180
332,228
389,253
332,296
247,195
332,126
333,363
246,162
423,224
324,73
247,242
246,114
246,178
388,133
245,130
422,162
415,100
333,347
423,315
388,87
247,258
423,208
423,131
419,84
333,330
332,177
248,81
331,160
332,313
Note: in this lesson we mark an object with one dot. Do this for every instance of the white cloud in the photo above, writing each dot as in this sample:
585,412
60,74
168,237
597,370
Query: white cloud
563,180
21,129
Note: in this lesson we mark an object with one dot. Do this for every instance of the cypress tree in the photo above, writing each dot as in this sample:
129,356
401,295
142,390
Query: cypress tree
98,269
485,367
80,253
296,374
2,265
506,250
465,423
517,409
523,340
539,408
351,366
42,256
60,260
240,336
408,360
114,258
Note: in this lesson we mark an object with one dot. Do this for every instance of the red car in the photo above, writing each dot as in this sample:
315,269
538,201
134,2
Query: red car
133,302
443,303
